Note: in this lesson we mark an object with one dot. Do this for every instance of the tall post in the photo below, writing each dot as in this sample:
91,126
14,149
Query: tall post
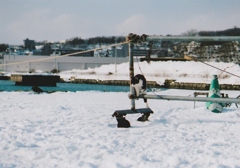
131,72
115,56
4,63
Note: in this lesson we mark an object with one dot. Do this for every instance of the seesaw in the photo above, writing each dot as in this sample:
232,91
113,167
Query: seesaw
214,101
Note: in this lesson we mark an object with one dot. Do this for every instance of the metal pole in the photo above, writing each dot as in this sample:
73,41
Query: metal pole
199,99
115,56
131,72
194,38
4,62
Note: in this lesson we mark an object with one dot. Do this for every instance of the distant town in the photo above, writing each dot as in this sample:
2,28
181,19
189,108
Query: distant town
212,51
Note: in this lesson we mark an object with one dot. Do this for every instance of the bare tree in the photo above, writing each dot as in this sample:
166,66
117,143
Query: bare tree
192,32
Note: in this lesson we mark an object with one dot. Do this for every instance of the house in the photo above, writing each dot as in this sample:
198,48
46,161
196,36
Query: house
29,44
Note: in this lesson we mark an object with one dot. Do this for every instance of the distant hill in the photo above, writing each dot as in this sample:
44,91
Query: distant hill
228,32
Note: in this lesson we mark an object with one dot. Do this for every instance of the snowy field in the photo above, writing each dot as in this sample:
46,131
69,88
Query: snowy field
76,129
194,72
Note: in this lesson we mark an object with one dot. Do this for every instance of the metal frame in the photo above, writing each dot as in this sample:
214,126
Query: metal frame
193,38
185,98
133,38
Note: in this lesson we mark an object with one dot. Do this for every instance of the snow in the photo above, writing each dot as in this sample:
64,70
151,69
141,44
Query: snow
194,72
76,129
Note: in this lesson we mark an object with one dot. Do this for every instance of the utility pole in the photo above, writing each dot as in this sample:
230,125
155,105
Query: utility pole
115,55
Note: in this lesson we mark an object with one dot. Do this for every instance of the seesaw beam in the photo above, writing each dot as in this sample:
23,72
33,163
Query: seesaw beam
132,111
184,98
194,38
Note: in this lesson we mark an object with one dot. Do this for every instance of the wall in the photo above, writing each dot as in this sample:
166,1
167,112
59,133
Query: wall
1,63
48,63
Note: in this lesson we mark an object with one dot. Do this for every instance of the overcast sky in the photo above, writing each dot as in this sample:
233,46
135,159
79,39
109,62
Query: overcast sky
55,20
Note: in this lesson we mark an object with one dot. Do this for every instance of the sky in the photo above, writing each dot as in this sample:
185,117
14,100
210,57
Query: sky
58,20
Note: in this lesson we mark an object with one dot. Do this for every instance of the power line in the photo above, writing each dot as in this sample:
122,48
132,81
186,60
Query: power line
219,69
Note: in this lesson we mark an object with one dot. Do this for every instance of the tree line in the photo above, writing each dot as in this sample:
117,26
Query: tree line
117,39
113,39
228,32
95,40
3,47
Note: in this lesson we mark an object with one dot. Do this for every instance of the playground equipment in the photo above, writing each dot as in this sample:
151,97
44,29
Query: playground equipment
214,102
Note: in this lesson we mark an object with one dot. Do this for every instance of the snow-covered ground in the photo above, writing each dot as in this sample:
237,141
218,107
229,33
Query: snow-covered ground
76,129
195,72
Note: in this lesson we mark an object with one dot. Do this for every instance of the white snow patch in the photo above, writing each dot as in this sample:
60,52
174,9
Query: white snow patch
194,72
76,129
